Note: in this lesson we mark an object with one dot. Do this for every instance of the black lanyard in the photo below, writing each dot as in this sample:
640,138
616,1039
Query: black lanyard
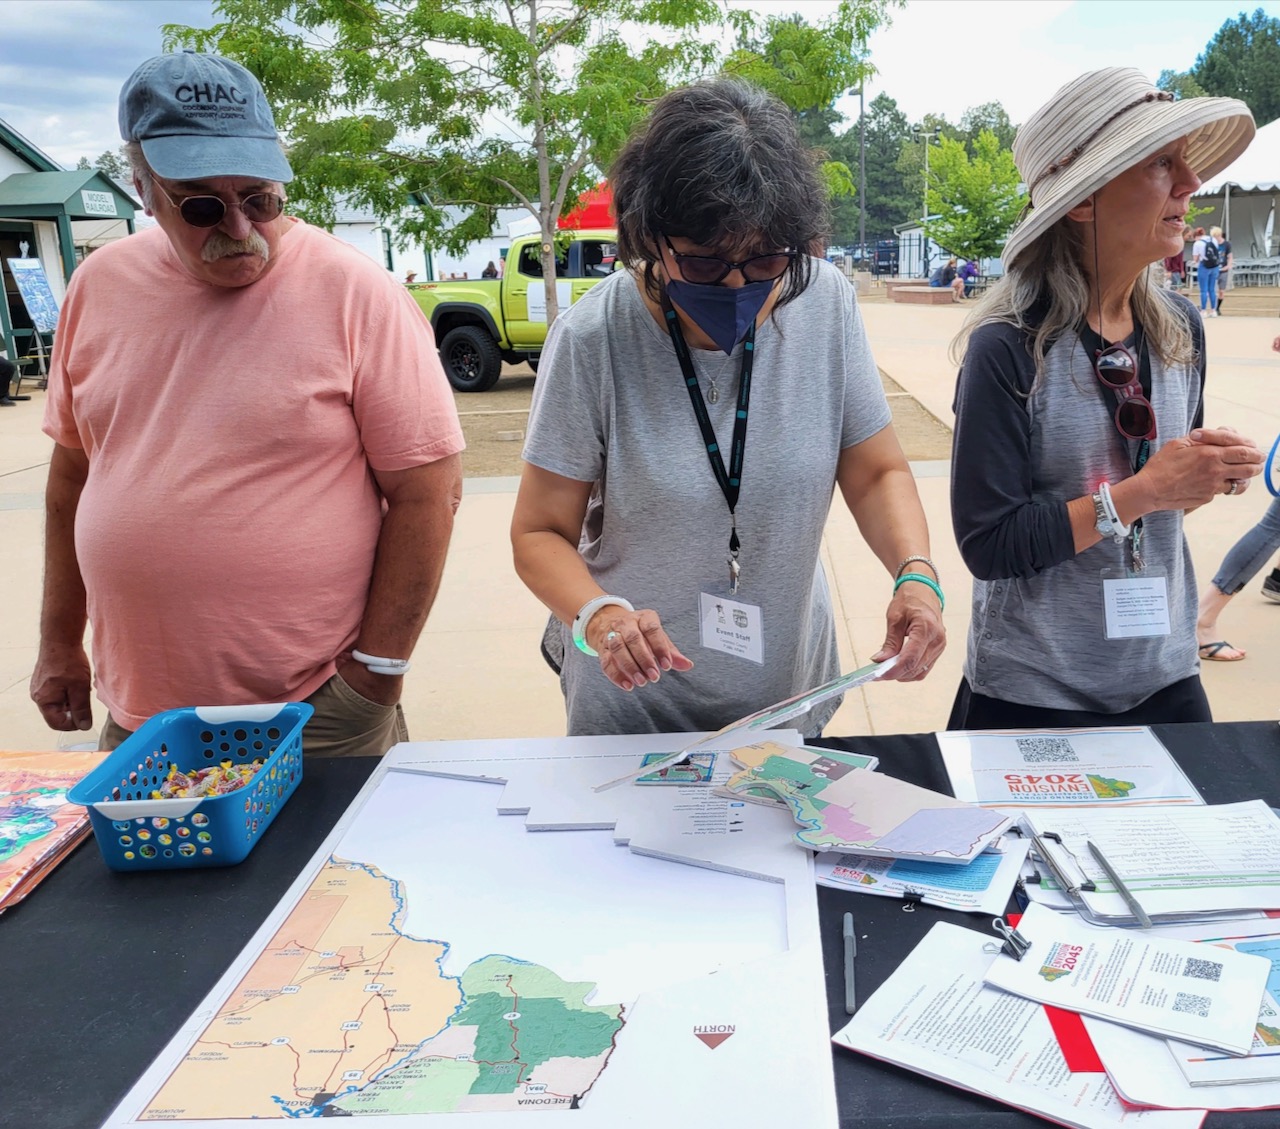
730,481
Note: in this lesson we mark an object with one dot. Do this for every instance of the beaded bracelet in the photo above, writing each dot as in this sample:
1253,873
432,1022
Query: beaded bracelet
922,579
912,559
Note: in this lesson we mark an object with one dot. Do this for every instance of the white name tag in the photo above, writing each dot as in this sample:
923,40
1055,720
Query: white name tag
1136,603
731,627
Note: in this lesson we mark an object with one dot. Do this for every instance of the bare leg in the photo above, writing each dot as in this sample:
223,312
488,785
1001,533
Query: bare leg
1212,604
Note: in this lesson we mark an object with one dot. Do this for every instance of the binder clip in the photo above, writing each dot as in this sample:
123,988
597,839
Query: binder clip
1014,944
911,898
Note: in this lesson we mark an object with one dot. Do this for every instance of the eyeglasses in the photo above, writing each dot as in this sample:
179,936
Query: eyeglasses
707,270
208,211
1116,368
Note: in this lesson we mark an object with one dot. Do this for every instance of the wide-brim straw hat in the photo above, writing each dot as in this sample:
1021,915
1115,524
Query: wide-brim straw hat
1105,122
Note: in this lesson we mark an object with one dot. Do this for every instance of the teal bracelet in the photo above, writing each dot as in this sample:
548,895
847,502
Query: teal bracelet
937,588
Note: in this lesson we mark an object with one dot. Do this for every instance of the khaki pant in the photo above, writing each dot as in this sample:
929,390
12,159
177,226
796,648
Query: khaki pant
345,724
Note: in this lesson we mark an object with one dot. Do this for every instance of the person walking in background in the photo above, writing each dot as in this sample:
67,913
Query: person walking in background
1205,253
491,271
1238,567
1225,263
652,523
1080,439
1174,270
256,465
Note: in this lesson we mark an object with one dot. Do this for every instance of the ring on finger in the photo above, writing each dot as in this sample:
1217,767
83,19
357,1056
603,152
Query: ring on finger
1233,485
611,636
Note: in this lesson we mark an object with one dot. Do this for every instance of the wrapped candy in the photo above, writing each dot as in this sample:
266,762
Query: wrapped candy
212,780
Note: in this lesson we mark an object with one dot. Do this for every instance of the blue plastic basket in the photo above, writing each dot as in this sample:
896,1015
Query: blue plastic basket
135,832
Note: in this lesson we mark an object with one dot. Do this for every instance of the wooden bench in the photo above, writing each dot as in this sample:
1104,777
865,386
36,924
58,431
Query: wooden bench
922,295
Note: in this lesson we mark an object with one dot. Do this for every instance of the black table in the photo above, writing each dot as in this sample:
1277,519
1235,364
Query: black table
101,969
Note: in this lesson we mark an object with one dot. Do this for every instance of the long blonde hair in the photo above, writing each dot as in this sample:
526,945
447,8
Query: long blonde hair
1052,271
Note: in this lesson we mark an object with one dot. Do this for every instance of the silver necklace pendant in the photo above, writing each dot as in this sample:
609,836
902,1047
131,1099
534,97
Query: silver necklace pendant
713,396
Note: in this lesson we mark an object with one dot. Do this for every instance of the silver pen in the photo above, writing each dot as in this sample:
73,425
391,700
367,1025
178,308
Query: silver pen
850,953
1144,919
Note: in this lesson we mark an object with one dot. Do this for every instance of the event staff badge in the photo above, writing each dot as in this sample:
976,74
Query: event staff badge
1135,602
731,627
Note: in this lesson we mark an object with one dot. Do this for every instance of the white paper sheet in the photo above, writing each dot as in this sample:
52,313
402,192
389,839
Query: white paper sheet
935,1016
1022,768
1162,986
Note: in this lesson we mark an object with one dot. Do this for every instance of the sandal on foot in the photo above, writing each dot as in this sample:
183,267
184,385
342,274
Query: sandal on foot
1212,652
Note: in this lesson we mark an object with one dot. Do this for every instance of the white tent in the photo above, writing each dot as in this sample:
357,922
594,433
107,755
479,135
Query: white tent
1243,195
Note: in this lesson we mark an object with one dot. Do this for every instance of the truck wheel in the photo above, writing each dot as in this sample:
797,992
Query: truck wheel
471,359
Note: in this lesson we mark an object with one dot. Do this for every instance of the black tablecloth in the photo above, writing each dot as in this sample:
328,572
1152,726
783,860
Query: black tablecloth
101,969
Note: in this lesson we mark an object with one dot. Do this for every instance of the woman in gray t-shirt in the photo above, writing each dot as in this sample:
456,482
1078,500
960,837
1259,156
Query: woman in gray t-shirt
1079,437
692,417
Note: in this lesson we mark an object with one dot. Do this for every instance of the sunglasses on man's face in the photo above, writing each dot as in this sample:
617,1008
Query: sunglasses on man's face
707,270
208,211
1116,368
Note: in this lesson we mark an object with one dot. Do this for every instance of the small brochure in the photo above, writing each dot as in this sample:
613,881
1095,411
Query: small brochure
982,886
935,1016
1123,767
1174,988
750,757
841,807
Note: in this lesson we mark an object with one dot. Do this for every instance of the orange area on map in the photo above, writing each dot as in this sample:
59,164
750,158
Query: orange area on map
314,1016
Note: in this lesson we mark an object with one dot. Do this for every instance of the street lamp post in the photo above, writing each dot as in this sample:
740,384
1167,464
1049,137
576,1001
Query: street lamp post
928,136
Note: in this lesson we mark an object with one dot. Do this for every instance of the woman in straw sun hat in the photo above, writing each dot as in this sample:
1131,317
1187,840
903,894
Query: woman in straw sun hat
1080,440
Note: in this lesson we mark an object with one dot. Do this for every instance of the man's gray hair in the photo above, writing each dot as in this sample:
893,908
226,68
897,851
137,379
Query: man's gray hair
141,172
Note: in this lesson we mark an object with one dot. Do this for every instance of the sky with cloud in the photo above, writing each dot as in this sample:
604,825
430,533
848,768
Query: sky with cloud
62,62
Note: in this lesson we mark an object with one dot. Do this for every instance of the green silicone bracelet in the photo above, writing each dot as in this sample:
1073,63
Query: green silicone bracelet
921,578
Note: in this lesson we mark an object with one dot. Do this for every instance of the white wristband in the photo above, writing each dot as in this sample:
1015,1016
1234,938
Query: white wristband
1118,528
584,615
376,665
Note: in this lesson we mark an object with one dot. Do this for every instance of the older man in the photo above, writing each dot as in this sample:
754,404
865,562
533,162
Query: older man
256,463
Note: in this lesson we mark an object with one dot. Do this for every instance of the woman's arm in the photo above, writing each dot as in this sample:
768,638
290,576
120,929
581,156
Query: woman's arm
880,491
545,528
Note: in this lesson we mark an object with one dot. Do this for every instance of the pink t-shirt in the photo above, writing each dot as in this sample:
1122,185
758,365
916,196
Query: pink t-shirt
226,532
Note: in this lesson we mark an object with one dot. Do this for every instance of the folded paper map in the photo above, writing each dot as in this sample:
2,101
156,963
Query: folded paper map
38,828
841,806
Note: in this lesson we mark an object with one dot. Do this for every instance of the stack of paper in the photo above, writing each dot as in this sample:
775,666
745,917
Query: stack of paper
981,886
935,1016
1162,986
1178,863
844,808
38,828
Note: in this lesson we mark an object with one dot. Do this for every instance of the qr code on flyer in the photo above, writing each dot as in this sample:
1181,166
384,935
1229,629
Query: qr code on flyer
1198,969
1046,750
1192,1005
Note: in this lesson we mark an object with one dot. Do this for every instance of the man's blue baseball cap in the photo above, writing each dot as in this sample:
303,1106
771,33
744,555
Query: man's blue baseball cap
199,116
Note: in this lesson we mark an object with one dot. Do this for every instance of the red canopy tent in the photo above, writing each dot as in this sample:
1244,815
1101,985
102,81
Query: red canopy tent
594,210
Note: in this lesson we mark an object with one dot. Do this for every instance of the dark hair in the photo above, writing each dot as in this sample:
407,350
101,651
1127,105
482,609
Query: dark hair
720,163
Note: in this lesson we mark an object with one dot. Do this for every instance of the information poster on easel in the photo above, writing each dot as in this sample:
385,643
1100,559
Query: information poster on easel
33,286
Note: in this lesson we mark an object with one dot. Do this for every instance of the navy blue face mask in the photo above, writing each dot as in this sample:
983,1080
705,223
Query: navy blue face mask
723,313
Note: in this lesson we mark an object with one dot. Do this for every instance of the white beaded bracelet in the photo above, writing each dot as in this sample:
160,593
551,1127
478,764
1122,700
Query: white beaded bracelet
584,615
376,665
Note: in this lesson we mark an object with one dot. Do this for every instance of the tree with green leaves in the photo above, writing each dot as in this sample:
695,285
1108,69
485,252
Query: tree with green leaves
114,164
1180,84
989,116
471,105
462,106
886,197
974,199
1243,61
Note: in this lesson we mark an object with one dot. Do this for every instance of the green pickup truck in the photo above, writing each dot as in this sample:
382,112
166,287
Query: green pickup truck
479,324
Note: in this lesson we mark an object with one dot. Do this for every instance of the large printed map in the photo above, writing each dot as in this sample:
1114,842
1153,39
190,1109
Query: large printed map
344,1013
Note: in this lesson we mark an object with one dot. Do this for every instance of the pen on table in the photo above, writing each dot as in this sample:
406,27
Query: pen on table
850,952
1144,919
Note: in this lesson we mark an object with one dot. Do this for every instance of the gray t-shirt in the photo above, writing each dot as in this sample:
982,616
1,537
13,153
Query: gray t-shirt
610,407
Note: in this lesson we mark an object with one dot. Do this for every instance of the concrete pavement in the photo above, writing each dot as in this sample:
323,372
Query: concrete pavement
477,671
